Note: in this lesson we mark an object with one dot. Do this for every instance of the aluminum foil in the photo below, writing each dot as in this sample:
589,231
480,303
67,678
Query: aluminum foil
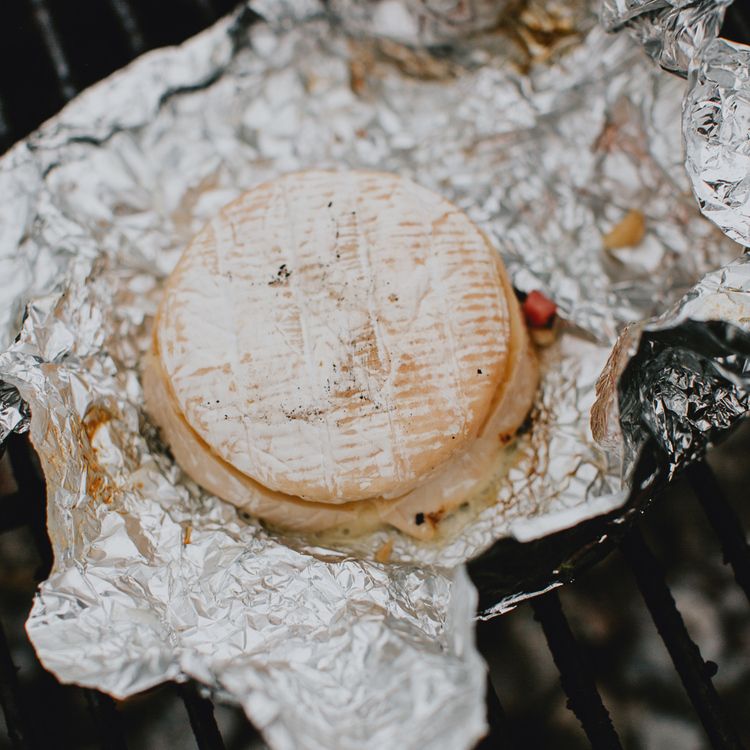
673,32
683,378
546,130
14,414
427,22
716,123
681,35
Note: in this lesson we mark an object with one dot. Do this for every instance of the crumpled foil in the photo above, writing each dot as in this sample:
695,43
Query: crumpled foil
681,35
14,414
426,22
545,130
673,32
715,124
682,379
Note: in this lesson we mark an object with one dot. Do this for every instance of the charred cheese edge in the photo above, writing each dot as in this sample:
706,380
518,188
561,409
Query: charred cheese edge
336,336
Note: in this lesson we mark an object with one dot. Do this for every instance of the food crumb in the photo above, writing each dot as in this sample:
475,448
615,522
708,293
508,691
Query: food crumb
188,533
538,310
383,555
628,232
544,337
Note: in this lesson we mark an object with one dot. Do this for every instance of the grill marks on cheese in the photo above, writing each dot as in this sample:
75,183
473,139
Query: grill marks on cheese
459,480
323,335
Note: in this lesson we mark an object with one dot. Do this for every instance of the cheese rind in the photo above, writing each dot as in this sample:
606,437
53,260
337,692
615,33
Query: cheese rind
336,336
214,474
462,479
457,481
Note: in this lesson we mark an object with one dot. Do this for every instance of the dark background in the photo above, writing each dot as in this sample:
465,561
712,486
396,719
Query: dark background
51,49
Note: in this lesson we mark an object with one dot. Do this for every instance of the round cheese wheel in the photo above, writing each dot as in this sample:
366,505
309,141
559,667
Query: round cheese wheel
416,513
336,336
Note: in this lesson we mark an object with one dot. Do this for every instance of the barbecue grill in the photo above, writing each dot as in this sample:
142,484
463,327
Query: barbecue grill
62,47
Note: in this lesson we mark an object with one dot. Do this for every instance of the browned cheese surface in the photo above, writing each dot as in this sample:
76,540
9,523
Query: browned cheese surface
336,336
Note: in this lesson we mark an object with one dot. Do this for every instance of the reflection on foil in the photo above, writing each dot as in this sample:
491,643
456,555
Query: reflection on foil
715,125
673,32
683,378
546,144
14,412
426,22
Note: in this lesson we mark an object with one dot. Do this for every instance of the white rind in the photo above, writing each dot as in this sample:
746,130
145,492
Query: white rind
466,475
357,375
457,481
218,477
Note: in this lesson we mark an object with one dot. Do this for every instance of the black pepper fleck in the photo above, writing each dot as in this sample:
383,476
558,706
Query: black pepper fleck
330,203
281,275
479,372
419,519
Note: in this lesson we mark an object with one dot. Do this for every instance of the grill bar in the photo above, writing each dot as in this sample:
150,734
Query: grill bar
575,675
737,25
4,129
32,489
686,656
54,48
107,719
724,521
14,512
200,711
10,698
133,33
499,734
206,10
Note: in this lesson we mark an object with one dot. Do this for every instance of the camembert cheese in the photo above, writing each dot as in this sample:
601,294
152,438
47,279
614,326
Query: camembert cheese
337,346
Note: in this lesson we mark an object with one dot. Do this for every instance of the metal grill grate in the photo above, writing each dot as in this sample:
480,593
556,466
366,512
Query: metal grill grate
27,508
64,46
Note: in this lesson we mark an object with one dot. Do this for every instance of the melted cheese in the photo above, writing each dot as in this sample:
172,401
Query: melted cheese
335,336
